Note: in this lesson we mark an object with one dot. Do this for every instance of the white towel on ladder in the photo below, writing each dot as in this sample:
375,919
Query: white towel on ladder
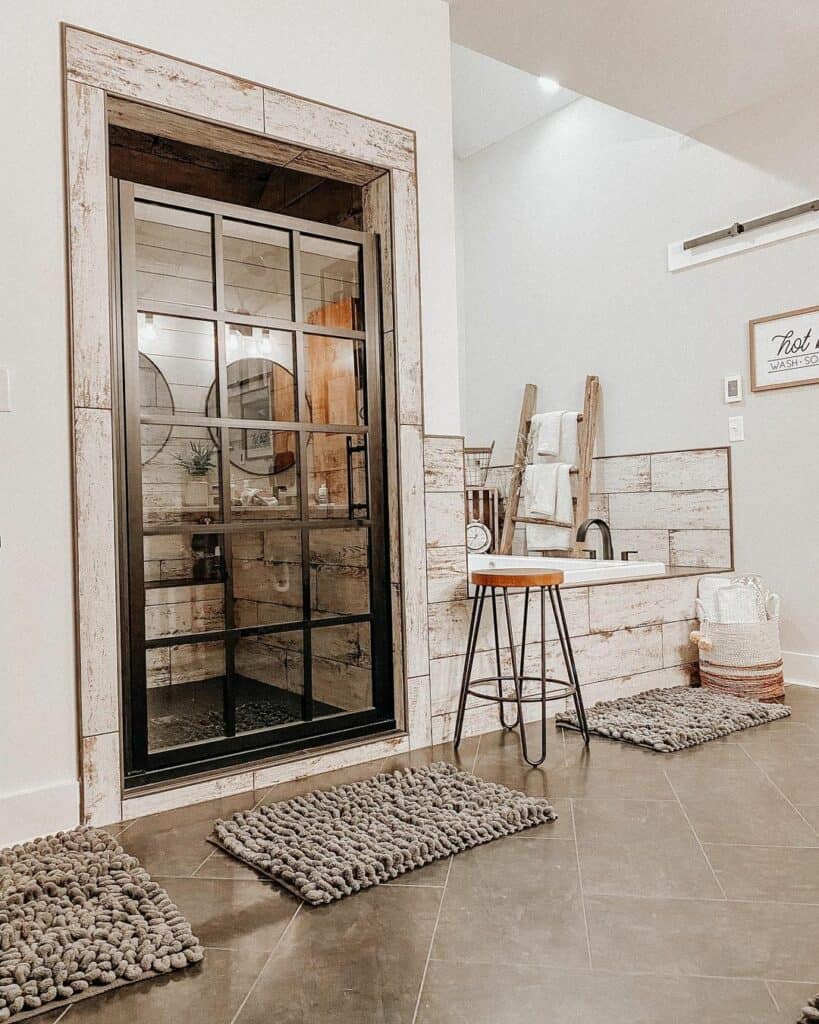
548,493
568,438
554,437
545,429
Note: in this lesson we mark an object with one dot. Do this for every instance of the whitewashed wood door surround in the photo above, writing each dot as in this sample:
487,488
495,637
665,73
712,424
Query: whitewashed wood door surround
99,70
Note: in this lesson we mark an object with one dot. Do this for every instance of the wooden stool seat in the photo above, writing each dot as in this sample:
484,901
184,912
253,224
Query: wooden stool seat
516,578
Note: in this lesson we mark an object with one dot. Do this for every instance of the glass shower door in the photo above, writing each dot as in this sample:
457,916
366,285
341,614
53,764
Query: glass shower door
257,591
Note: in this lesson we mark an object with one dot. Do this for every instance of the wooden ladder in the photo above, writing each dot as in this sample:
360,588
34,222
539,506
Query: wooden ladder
586,438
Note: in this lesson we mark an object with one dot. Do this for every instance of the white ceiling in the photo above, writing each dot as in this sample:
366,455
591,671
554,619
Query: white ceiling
681,63
491,100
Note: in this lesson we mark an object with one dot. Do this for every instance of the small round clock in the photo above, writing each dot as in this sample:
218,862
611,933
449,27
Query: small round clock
478,538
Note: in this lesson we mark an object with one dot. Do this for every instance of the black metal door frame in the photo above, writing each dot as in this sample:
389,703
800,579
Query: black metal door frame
141,765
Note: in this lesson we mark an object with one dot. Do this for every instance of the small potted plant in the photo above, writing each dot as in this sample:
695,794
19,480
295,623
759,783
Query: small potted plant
197,463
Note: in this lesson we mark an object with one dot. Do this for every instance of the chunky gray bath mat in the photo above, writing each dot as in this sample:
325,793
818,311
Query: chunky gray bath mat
331,844
78,916
810,1012
674,718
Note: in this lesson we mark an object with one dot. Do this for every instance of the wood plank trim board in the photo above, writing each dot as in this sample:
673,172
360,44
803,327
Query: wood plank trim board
153,120
406,296
100,764
139,73
87,188
95,536
97,69
419,712
320,127
377,217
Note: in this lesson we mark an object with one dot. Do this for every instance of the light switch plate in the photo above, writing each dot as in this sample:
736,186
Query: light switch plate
5,390
736,428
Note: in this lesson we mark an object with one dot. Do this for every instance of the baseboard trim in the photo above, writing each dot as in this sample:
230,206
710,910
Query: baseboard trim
801,667
39,812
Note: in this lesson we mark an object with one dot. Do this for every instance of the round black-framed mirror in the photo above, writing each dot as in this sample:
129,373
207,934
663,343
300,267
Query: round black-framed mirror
258,389
155,397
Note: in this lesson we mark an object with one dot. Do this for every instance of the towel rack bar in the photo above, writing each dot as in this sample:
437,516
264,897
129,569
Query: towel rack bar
542,521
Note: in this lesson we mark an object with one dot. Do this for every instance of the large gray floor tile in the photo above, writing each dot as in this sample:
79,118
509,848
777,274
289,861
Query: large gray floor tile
777,735
463,757
359,960
606,753
232,913
523,994
794,768
804,703
175,842
210,992
518,899
643,848
707,937
589,779
504,745
727,806
787,874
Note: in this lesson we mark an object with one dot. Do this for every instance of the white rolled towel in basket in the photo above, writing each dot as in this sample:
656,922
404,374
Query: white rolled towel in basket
742,658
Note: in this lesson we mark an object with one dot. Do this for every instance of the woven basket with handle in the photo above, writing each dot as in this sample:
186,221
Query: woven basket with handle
743,659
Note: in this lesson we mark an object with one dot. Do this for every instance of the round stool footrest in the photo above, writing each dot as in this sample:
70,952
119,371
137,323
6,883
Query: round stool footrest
567,689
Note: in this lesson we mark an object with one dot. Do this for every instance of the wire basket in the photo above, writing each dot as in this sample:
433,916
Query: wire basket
476,465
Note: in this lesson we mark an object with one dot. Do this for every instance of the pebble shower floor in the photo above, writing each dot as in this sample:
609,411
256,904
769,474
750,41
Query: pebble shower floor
79,916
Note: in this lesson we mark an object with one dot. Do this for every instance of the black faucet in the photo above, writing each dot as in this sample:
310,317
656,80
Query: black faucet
605,532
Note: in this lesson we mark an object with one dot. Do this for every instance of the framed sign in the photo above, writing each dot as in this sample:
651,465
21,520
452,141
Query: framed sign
785,349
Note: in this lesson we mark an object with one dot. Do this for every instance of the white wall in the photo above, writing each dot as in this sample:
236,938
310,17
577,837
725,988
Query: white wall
565,227
364,56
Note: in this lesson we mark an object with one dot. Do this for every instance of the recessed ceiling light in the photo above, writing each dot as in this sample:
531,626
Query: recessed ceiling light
548,84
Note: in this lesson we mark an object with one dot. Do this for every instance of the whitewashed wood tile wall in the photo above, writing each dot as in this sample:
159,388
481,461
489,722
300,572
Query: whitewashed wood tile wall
627,637
671,507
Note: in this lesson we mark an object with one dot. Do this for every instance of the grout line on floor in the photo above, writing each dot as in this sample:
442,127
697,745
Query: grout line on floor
580,883
784,795
475,755
434,930
763,846
279,941
696,837
773,997
706,899
204,862
672,975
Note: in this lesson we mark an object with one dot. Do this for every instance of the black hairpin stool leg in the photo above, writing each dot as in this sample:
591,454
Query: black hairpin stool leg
471,644
519,679
498,666
568,659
